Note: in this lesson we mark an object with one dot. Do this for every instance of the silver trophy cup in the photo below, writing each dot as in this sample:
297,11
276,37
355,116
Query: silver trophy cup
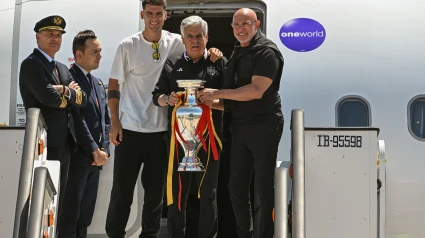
188,115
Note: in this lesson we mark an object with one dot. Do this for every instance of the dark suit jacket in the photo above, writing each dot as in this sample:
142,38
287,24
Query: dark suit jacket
92,123
36,78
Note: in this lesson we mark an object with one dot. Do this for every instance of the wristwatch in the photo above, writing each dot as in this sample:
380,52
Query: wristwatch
166,99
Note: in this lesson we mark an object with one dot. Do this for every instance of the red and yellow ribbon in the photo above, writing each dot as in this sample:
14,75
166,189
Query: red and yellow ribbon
205,125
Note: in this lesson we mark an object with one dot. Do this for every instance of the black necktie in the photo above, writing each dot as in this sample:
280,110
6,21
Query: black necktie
55,70
90,79
92,86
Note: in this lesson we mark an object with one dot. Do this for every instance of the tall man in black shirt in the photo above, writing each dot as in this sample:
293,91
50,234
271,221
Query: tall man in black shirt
252,80
193,64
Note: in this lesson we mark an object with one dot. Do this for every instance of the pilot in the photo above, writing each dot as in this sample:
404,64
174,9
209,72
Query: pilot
46,84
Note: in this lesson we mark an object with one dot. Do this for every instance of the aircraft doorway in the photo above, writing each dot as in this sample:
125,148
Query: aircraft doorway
220,32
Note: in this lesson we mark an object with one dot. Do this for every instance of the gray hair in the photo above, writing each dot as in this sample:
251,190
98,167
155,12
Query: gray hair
194,20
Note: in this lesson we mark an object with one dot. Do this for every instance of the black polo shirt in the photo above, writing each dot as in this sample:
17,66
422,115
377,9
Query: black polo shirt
260,58
183,67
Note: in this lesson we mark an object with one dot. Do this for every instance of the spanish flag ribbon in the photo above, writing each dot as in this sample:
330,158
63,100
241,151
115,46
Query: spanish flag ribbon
205,125
173,148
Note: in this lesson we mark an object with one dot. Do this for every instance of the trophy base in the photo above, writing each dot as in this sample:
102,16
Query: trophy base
190,167
191,164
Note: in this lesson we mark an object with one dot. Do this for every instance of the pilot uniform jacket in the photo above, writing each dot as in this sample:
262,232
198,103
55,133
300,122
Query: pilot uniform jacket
92,123
37,75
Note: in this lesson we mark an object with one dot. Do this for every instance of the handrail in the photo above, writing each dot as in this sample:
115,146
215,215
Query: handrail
42,182
382,190
281,202
298,180
34,122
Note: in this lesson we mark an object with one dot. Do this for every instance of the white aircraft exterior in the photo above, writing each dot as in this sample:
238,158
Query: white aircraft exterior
347,63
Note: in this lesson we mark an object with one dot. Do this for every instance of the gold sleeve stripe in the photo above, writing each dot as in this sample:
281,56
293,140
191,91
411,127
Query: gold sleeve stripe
64,102
78,97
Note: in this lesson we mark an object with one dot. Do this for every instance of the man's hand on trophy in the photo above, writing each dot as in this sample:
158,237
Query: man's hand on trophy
209,103
207,94
173,99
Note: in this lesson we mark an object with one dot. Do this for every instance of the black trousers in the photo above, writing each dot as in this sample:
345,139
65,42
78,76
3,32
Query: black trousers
176,218
79,201
137,148
63,156
226,217
254,148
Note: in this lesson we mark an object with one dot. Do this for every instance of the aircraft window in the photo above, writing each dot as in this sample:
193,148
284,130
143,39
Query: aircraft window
353,111
416,114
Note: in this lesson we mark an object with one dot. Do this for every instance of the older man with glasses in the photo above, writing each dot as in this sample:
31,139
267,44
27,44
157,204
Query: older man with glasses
251,81
138,127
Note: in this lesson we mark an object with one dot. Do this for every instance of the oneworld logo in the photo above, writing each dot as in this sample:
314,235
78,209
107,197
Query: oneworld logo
302,34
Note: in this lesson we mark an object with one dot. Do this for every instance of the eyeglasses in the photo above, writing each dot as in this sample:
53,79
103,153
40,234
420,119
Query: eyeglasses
243,24
156,55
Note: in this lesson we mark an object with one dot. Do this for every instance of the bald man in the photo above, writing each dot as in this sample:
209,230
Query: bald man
251,94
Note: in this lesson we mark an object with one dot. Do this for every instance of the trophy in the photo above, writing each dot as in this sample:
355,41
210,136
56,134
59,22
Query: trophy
188,115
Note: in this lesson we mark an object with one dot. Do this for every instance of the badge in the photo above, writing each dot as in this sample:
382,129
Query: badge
211,70
57,20
235,78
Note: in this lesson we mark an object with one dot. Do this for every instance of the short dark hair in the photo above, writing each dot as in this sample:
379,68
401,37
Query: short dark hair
154,3
80,39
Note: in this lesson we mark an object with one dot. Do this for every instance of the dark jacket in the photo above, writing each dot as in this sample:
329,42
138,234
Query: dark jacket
92,123
36,78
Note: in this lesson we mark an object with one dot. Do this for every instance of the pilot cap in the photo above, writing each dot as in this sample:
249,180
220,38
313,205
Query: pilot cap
54,22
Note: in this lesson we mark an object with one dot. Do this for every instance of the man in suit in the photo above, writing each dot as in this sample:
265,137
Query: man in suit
47,84
92,125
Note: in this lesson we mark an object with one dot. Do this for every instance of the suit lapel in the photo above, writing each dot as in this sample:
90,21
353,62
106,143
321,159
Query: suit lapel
86,83
48,65
81,76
